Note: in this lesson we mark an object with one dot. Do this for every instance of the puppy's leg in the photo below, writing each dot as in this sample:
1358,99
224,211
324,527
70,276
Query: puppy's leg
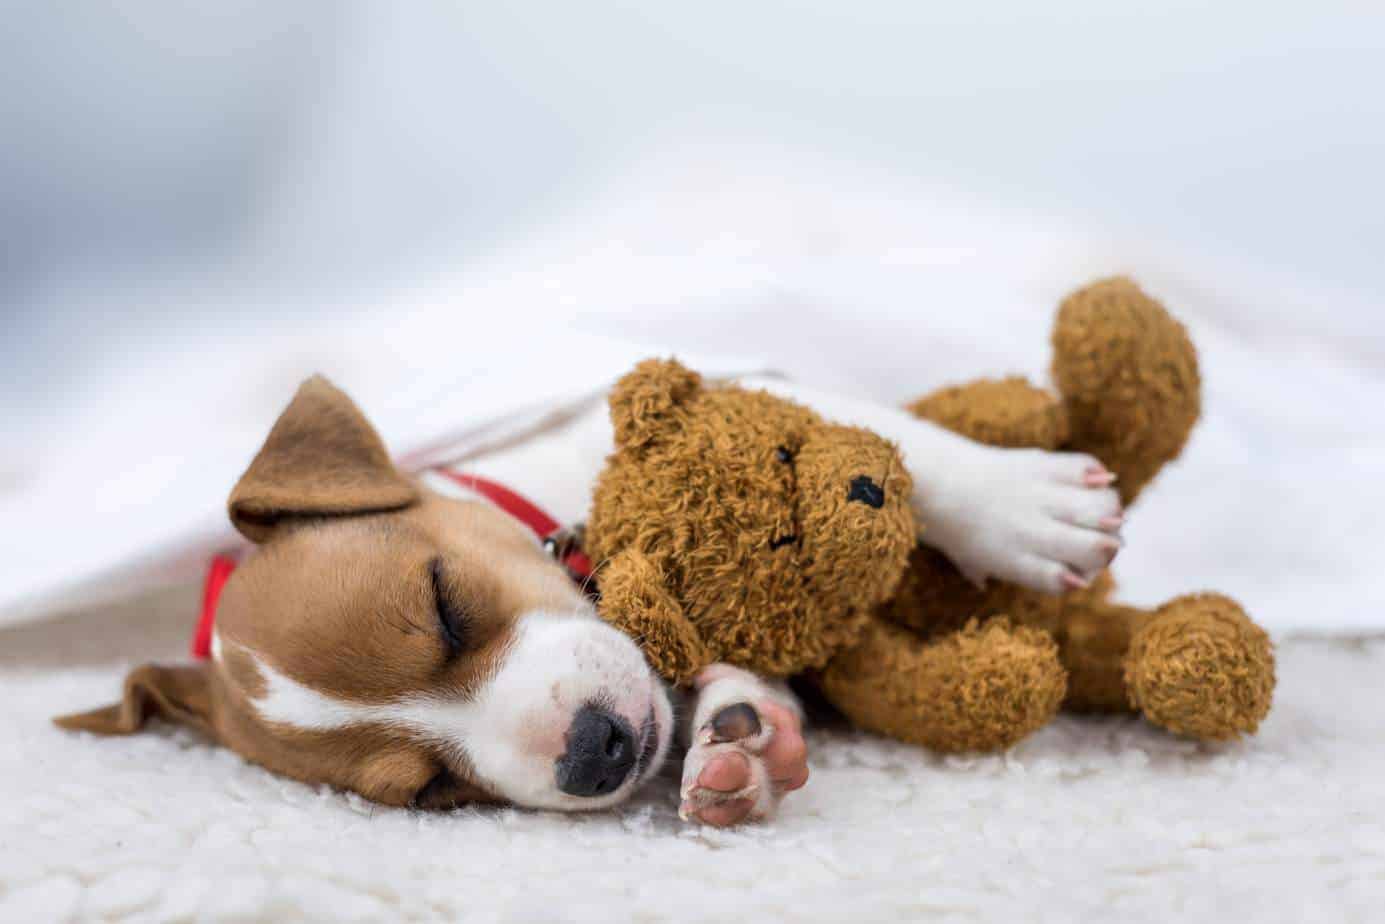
745,747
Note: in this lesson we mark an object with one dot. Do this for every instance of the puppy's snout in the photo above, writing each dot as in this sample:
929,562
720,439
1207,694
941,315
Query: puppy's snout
863,489
600,753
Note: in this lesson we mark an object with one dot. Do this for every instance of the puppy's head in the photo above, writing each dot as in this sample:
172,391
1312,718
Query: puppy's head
411,647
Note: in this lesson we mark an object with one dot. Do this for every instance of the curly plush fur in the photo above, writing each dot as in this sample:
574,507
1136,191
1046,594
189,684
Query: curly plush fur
723,530
1128,378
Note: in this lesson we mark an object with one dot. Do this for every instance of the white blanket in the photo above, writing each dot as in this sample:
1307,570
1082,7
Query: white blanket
873,285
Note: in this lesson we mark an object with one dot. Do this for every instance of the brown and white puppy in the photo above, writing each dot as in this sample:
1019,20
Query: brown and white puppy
425,650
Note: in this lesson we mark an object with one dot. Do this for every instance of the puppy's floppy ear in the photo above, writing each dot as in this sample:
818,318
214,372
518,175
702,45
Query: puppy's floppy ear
644,400
178,694
321,458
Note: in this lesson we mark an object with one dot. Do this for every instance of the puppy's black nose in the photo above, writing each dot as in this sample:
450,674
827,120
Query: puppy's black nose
866,491
600,753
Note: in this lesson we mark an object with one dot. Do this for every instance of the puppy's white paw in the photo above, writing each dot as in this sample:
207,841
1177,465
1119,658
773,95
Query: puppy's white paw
746,751
1047,520
724,767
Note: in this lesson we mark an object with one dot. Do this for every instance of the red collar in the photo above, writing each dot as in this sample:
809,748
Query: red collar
549,530
521,508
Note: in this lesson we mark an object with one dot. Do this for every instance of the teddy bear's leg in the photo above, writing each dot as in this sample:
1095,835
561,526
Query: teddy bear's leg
636,600
981,688
1199,667
933,597
1196,666
1093,636
1129,376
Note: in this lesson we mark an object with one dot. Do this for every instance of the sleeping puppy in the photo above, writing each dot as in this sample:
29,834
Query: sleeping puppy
417,644
424,650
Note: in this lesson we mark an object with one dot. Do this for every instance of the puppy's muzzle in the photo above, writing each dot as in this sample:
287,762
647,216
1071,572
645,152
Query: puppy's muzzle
601,752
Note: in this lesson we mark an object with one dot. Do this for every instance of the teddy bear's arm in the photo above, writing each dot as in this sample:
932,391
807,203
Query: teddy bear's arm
1007,412
636,600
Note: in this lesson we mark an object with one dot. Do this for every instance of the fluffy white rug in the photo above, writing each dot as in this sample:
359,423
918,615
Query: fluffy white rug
1091,818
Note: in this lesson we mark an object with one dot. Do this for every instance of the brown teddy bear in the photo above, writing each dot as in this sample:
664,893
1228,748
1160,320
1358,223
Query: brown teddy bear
732,525
987,666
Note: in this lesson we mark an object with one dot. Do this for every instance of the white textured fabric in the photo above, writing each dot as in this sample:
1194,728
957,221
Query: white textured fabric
1090,819
143,504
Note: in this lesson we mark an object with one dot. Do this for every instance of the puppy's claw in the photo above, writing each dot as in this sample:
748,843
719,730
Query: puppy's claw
1075,582
1096,477
735,722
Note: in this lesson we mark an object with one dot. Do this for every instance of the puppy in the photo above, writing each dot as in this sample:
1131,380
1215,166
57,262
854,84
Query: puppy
410,640
425,650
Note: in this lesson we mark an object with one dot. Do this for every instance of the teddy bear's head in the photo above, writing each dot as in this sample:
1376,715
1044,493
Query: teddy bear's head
776,531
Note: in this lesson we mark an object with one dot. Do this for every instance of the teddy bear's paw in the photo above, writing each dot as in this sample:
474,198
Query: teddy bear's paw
746,752
1201,667
1048,521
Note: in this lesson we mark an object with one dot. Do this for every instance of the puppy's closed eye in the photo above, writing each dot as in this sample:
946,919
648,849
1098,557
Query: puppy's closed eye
454,623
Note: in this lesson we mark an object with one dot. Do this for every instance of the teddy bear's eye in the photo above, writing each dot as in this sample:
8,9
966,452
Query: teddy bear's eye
784,454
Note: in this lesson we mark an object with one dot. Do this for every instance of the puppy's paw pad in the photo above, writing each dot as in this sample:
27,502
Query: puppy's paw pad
724,773
724,764
737,721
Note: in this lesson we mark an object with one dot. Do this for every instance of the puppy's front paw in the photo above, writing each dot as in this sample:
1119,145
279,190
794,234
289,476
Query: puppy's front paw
744,756
1049,521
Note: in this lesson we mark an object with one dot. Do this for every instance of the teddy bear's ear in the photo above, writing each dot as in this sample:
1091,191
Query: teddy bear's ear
644,400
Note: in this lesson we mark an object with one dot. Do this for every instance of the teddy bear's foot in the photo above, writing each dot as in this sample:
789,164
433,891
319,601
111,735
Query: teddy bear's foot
980,689
1200,667
1129,376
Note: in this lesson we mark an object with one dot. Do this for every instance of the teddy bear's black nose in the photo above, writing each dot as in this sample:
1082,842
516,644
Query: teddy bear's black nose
866,491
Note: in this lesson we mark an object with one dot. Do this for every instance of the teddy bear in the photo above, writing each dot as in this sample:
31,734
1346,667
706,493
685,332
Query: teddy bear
732,525
988,665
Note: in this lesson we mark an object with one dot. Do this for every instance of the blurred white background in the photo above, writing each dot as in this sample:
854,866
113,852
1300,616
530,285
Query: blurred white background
205,201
